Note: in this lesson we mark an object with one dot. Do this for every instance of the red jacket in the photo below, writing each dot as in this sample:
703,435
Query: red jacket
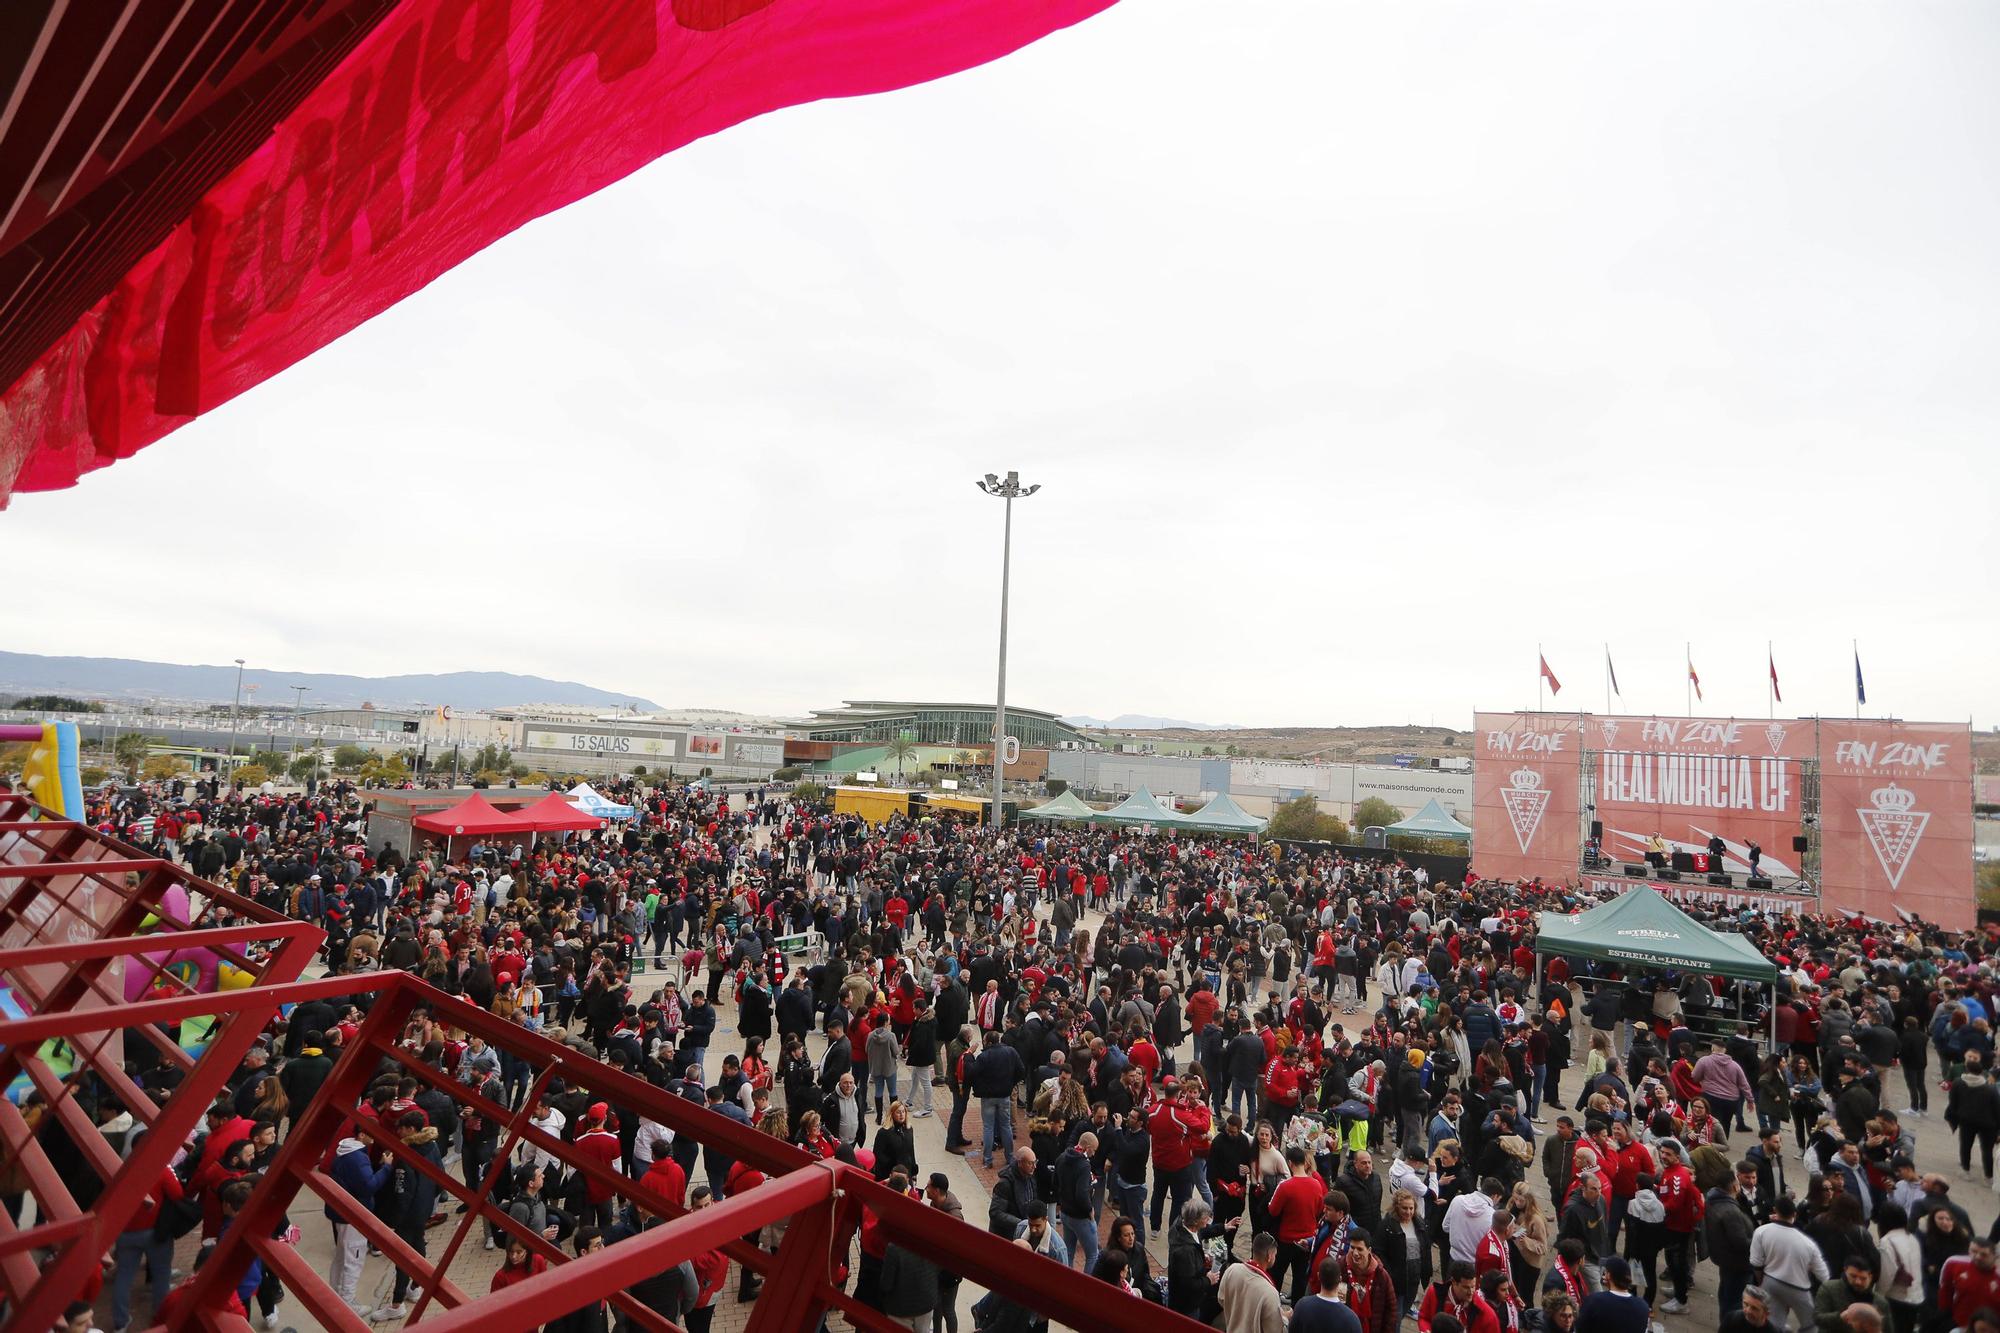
1281,1083
1175,1128
1964,1287
1678,1192
1475,1314
667,1180
602,1146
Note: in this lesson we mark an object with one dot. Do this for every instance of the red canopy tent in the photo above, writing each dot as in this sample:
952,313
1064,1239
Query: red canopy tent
474,814
553,814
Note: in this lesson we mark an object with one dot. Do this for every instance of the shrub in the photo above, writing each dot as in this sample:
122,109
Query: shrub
252,775
789,773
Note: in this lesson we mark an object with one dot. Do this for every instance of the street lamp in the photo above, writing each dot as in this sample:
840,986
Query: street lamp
234,704
1009,490
298,697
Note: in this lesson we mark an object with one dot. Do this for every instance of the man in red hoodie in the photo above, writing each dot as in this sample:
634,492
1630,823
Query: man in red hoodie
1683,1201
1282,1089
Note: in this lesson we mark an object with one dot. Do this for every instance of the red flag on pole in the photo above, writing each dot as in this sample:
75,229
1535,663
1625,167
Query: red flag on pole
1555,686
1776,693
1693,679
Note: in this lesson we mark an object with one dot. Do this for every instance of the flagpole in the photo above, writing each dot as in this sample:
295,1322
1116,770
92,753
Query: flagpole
1687,673
1539,659
1770,682
1855,644
1607,680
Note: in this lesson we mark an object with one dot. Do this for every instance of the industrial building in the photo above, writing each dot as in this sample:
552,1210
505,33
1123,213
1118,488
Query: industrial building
1261,785
938,724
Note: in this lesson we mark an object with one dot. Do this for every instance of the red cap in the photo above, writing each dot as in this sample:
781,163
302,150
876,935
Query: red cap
599,1110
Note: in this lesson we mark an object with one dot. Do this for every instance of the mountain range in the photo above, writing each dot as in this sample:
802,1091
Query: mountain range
1146,722
126,678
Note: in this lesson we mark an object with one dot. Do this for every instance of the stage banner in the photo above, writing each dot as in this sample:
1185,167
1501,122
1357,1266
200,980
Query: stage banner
1896,819
1525,781
450,125
1690,778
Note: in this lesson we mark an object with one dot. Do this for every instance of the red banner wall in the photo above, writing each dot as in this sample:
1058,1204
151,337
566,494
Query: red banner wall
1687,778
1525,785
452,124
1896,819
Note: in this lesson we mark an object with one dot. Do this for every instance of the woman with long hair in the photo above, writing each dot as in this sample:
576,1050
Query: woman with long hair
1528,1250
1902,1270
519,1267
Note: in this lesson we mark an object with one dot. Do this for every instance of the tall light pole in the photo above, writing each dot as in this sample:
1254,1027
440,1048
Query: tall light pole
298,697
1009,490
234,704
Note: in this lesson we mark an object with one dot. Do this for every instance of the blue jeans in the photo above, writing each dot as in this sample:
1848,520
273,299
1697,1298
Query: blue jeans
1243,1090
885,1088
131,1249
1130,1201
996,1119
1538,1079
1080,1233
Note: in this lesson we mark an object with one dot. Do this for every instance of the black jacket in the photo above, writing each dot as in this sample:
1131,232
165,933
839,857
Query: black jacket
1364,1198
1074,1180
1012,1193
1188,1289
923,1048
1390,1245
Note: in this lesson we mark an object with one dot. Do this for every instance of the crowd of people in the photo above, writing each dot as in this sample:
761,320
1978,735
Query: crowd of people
1263,1086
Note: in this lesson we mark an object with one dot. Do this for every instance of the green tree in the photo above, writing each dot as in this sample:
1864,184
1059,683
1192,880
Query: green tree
809,793
1302,818
161,767
55,703
131,750
252,775
1055,786
494,757
900,749
1374,812
789,773
93,776
347,758
302,767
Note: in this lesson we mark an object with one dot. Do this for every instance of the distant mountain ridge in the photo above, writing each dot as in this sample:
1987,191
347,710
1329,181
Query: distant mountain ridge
128,678
1146,722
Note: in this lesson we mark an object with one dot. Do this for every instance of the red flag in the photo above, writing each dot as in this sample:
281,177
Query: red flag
1776,693
1693,679
1555,686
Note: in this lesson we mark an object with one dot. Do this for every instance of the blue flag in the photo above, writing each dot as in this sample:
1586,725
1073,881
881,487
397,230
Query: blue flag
1860,690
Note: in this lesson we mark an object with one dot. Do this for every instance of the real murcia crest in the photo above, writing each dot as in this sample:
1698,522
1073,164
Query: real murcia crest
1775,733
1894,828
1526,801
1609,726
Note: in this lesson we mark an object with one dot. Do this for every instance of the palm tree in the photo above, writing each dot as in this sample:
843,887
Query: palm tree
900,749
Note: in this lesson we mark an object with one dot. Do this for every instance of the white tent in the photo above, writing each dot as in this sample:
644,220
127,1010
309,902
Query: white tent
586,798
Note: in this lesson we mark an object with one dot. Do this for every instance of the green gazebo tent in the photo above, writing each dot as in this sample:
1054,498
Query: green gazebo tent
1141,807
1222,815
1640,928
1067,806
1430,822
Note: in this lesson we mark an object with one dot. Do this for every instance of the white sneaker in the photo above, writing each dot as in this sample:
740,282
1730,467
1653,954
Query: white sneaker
1671,1306
489,1240
389,1313
271,1319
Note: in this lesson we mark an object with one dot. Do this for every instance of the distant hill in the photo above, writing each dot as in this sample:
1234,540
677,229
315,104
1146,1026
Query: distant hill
1144,722
1341,745
125,678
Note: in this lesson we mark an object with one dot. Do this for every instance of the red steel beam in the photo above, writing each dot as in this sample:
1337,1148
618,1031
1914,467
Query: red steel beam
560,1290
299,1154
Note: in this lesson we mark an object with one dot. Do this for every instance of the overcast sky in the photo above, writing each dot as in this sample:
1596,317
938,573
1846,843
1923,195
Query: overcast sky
1358,348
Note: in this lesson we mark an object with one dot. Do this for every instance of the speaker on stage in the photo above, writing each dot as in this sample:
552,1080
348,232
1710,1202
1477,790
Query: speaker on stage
1799,843
1757,882
1597,829
1636,872
1672,876
1683,860
1718,878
